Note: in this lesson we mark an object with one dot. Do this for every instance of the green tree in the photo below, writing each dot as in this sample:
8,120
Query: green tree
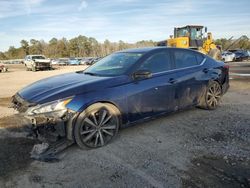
3,56
52,48
122,45
25,46
95,47
73,47
83,46
35,47
53,41
12,52
107,47
62,50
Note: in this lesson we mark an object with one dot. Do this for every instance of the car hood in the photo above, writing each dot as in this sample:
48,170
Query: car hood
42,60
66,85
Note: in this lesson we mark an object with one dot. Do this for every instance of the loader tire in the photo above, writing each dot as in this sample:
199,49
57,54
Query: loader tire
215,53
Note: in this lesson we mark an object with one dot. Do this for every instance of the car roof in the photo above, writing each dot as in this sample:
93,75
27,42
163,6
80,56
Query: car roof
141,50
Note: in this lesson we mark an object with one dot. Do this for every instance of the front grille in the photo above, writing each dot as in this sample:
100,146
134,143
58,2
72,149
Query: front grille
20,104
42,65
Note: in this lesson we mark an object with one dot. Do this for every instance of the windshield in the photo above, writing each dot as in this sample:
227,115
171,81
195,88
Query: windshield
183,32
38,57
196,34
114,65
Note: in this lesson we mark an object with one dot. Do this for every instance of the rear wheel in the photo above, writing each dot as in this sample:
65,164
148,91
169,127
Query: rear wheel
211,98
97,125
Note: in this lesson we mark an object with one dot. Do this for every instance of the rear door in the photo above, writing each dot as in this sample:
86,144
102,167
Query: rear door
154,95
191,76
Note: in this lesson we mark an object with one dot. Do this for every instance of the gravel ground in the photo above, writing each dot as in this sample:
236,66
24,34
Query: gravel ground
192,148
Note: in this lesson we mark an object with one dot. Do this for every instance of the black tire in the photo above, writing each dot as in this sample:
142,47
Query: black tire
215,53
97,125
212,96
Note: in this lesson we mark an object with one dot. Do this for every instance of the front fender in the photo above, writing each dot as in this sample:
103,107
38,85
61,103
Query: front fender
115,96
76,105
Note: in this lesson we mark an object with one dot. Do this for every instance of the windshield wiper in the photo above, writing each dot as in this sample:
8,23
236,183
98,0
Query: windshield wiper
91,73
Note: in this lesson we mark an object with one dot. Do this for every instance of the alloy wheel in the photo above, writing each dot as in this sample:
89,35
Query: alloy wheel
213,95
98,127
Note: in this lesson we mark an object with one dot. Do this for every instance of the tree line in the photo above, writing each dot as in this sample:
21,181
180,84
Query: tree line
83,46
80,46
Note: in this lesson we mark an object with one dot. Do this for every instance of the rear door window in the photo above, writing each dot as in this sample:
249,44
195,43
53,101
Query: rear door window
186,58
199,57
158,62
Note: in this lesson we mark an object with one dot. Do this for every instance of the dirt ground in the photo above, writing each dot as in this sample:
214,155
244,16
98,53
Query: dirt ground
192,148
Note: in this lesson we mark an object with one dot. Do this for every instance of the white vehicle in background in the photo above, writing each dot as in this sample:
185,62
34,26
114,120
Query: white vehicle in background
55,61
37,62
228,56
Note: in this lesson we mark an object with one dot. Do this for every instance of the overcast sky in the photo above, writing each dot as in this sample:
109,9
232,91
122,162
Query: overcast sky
127,20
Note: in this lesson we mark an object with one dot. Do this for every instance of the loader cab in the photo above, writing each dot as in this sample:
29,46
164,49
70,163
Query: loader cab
193,32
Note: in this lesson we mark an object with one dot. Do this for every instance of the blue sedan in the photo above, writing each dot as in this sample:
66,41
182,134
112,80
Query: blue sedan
89,107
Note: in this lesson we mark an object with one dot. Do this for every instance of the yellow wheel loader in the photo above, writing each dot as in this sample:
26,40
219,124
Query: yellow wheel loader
193,36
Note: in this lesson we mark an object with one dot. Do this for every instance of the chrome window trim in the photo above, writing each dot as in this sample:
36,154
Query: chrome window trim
202,63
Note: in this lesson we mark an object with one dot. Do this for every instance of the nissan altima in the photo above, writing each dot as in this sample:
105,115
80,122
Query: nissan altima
89,107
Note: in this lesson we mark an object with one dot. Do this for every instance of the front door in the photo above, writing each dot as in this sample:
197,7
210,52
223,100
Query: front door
154,95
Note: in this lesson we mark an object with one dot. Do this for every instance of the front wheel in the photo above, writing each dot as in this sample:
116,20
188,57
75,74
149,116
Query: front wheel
211,98
33,68
97,125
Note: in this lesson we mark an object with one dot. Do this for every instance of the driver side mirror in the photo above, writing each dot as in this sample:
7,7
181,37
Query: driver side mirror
142,74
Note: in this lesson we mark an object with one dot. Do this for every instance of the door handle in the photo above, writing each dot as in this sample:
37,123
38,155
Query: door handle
205,70
172,80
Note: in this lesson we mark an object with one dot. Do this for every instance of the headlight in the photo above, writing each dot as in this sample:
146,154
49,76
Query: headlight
55,108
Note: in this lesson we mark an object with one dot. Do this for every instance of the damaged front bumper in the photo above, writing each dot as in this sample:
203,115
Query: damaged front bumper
54,129
42,65
50,128
46,122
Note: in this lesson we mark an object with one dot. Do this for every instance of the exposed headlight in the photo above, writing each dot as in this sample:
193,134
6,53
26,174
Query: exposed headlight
55,108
